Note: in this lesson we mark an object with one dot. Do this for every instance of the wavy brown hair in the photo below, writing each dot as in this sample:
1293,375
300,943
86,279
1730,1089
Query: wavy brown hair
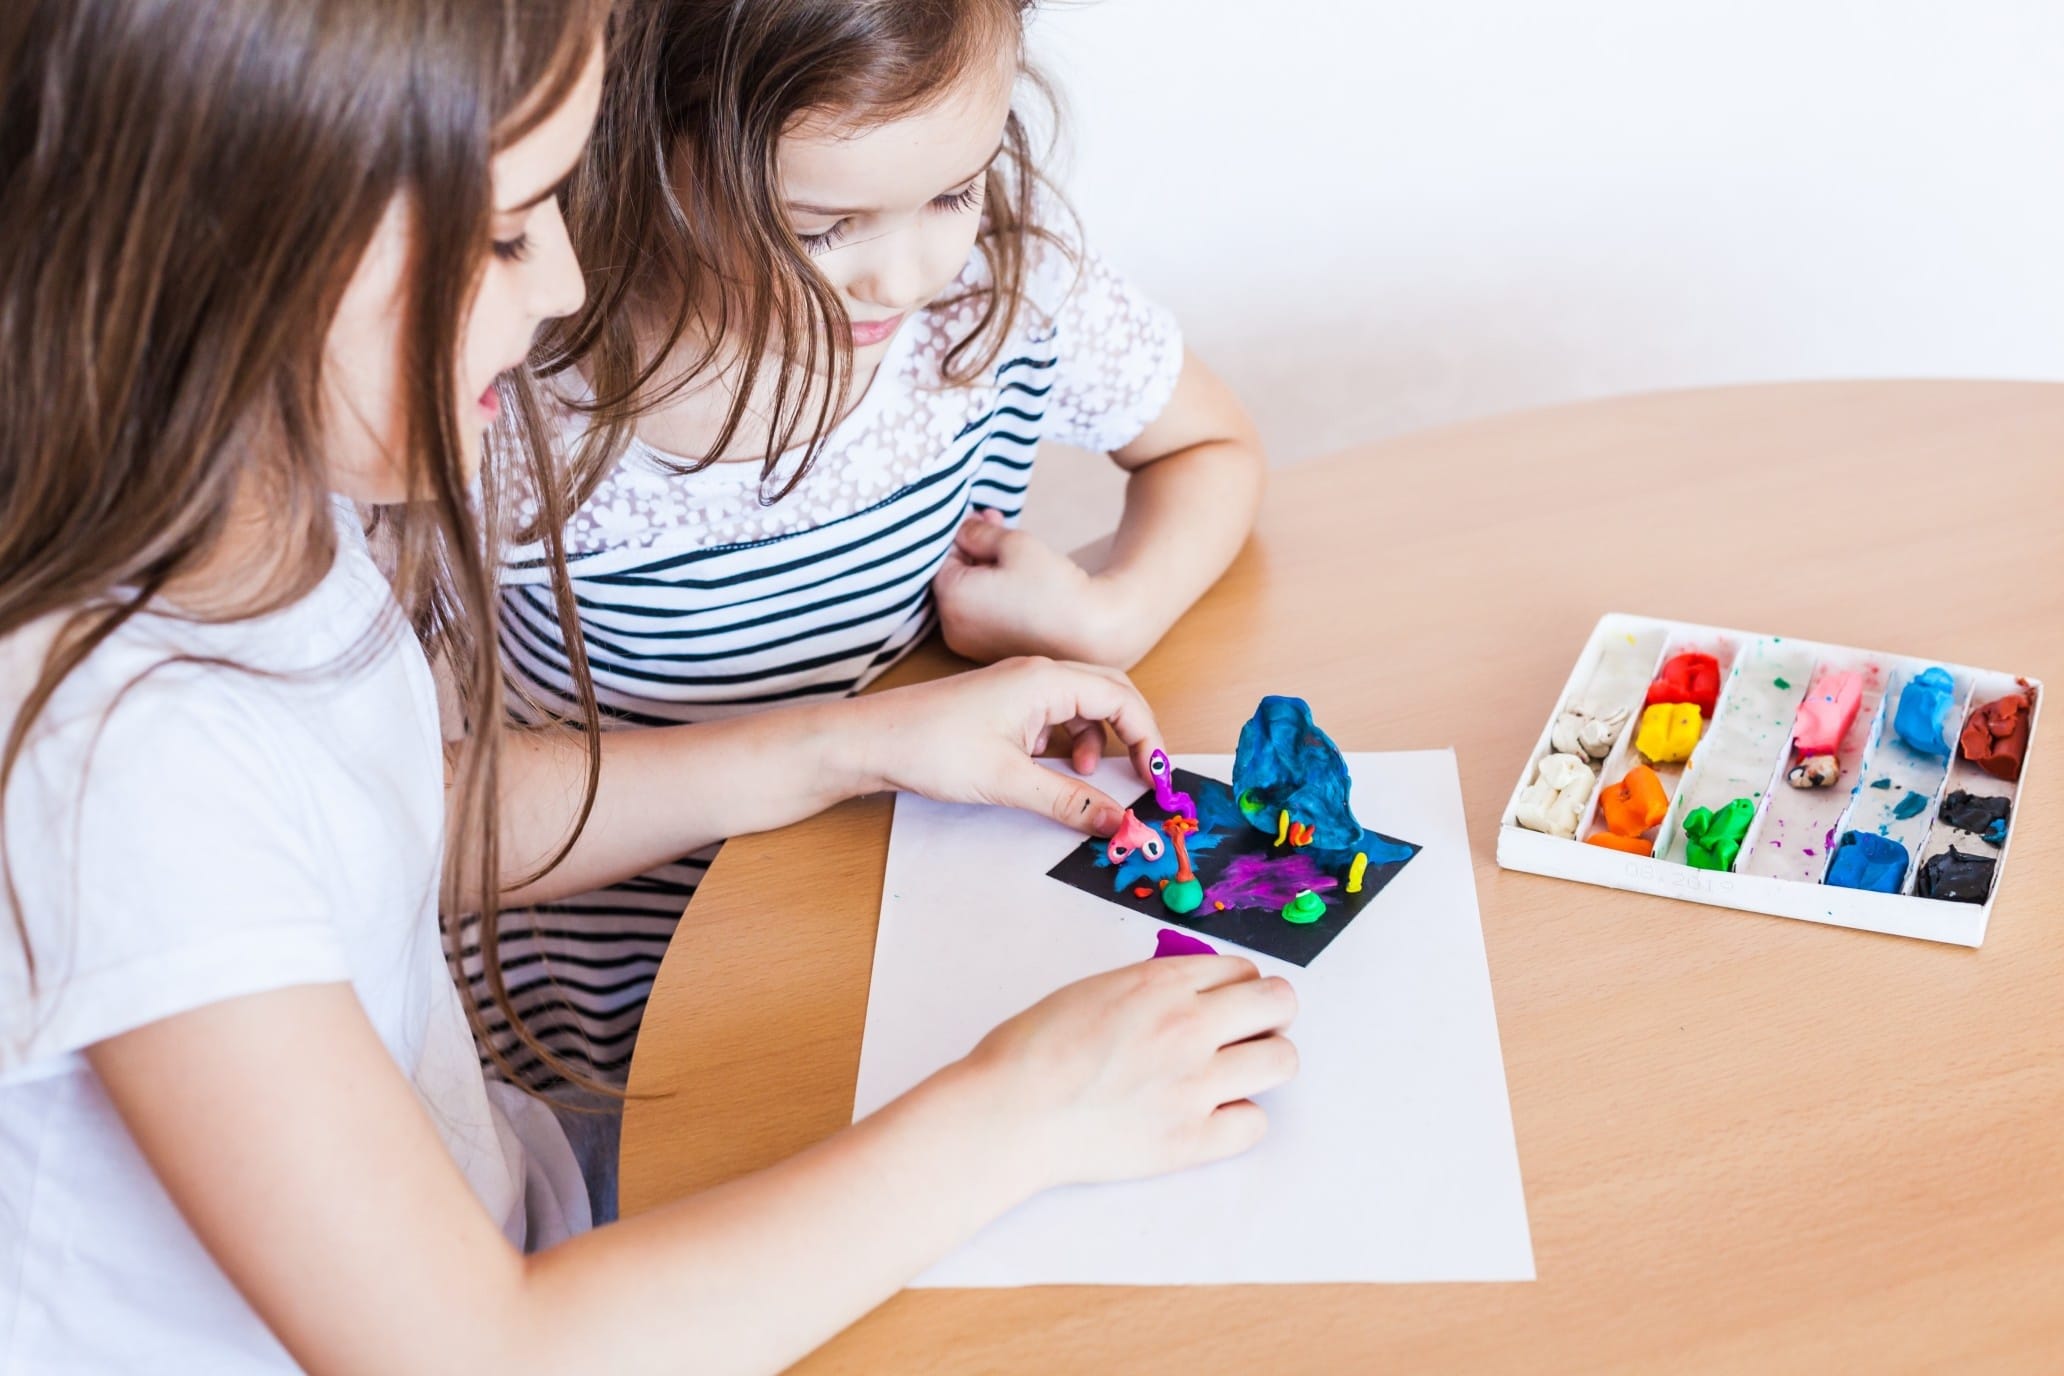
676,210
186,187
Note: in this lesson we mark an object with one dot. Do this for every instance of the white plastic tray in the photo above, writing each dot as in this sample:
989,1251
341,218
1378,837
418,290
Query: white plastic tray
1900,914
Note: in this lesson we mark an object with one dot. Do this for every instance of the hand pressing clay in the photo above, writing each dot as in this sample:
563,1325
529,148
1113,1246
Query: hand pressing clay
1689,677
1996,735
1555,800
1815,771
1581,731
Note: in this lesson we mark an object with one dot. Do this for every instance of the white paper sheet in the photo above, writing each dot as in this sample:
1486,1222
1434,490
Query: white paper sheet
1390,1158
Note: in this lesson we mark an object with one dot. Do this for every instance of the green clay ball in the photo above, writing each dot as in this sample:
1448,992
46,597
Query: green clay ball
1307,907
1183,896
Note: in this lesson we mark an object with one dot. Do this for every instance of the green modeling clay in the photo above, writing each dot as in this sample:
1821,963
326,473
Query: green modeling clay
1713,839
1306,907
1182,896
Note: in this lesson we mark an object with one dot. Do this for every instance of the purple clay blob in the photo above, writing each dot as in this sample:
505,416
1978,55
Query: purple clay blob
1268,881
1170,942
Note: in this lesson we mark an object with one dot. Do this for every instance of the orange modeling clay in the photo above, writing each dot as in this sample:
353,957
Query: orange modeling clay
1996,736
1634,804
1633,845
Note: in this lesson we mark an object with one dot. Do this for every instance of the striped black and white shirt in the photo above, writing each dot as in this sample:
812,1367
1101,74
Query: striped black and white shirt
698,600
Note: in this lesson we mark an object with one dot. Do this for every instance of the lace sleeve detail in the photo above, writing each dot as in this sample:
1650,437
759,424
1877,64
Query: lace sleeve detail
1119,352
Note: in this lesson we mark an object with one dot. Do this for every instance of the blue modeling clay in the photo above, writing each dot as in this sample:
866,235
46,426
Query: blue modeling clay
1865,860
1925,707
1290,780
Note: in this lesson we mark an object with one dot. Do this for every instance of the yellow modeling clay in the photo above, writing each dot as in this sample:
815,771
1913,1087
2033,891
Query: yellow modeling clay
1669,731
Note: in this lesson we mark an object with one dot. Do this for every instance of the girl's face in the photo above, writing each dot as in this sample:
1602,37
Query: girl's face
890,211
530,276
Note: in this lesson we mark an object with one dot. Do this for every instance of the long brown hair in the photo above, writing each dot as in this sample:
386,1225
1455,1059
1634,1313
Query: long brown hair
702,91
186,187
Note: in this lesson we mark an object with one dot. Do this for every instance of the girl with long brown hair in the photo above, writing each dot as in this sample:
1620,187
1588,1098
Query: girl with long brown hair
266,265
832,314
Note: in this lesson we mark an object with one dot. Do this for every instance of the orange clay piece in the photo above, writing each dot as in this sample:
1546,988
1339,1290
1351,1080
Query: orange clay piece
1635,803
1633,845
1177,828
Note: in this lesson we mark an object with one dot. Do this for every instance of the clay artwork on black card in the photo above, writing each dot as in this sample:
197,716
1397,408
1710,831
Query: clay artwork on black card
1275,861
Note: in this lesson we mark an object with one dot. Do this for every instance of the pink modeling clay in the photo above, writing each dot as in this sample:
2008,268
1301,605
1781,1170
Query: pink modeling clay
1134,835
1825,716
1174,943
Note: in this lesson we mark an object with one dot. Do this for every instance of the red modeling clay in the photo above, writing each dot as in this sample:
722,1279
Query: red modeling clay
1996,736
1690,677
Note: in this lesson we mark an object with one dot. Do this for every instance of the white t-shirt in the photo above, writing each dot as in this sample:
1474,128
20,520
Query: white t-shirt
229,834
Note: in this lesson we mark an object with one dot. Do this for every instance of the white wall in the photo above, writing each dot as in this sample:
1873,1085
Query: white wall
1379,216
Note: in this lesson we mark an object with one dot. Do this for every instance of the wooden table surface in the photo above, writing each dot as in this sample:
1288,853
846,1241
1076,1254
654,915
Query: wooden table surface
1748,1143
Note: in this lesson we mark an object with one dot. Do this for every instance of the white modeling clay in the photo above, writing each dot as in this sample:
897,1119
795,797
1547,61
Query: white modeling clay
1555,800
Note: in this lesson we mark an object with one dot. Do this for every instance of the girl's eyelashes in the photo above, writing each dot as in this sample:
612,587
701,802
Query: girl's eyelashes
958,202
954,202
513,250
824,239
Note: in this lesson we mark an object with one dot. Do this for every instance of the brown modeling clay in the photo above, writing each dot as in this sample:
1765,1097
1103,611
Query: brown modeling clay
1996,735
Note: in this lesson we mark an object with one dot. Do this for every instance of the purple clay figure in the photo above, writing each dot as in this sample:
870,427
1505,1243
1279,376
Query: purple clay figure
1173,803
1173,943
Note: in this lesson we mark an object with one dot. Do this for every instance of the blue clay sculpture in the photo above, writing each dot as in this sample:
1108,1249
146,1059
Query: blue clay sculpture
1926,705
1865,860
1285,764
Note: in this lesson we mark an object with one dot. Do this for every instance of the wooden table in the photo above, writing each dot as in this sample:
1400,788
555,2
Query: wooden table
1748,1143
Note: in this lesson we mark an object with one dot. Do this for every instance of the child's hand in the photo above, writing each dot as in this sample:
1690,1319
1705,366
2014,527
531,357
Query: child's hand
1003,592
972,738
1146,1069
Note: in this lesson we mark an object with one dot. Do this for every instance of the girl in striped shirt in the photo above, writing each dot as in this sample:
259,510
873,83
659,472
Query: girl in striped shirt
831,316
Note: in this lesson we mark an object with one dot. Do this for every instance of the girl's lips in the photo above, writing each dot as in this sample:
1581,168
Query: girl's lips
491,400
866,332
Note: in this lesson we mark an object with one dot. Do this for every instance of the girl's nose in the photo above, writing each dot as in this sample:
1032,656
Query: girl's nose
893,278
558,288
